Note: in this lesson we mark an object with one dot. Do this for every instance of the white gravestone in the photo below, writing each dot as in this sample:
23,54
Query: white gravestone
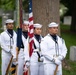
67,20
73,53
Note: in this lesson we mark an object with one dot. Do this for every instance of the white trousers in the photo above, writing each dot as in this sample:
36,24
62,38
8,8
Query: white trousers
20,66
50,68
37,68
5,61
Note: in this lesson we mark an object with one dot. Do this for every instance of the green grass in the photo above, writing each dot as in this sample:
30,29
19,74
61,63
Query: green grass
72,70
70,39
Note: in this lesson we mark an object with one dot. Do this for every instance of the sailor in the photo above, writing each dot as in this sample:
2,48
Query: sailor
54,50
23,54
8,44
36,63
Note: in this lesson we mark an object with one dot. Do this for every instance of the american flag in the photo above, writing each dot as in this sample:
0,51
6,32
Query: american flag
30,32
30,28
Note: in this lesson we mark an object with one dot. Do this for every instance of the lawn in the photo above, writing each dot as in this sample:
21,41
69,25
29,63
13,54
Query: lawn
70,39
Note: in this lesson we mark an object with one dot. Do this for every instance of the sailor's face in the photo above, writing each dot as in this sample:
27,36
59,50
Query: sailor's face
37,31
25,27
53,30
10,26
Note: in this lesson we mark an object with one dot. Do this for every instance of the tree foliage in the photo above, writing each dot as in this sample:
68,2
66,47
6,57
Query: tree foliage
11,4
7,4
68,4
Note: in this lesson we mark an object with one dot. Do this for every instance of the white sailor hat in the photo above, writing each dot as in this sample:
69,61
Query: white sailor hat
26,22
53,24
9,21
37,25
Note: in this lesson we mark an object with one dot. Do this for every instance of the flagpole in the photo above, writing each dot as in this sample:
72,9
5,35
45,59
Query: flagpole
19,29
13,68
7,70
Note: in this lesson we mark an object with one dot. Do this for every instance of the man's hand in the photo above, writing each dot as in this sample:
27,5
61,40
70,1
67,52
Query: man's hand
27,64
15,62
60,58
36,50
25,68
57,61
42,58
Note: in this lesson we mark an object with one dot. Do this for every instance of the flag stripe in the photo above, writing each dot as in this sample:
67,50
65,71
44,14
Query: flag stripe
31,18
31,27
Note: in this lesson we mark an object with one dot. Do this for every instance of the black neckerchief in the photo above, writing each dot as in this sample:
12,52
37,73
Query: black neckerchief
10,31
37,37
54,37
25,34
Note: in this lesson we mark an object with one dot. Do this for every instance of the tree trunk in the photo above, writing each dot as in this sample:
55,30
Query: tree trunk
73,23
46,11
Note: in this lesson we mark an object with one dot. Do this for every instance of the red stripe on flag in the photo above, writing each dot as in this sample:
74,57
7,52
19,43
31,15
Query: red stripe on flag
31,35
30,19
31,48
31,27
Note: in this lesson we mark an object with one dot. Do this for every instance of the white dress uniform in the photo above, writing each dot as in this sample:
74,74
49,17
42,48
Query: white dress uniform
22,56
50,49
8,45
36,67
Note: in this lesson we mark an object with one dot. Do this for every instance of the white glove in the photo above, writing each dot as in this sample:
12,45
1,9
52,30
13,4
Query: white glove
14,59
36,50
42,58
25,69
60,57
57,61
27,64
15,62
